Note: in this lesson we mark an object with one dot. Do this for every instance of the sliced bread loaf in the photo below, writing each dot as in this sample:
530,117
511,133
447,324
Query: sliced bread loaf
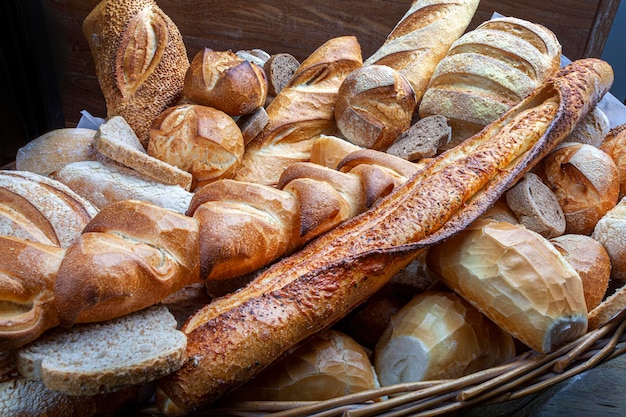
106,357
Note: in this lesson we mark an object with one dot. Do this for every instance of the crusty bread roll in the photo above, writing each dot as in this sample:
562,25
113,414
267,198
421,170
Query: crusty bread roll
516,278
140,60
375,104
301,112
488,70
615,146
610,231
131,255
39,208
589,258
329,365
585,181
225,81
201,140
423,139
592,129
422,37
536,206
28,271
439,335
105,357
55,149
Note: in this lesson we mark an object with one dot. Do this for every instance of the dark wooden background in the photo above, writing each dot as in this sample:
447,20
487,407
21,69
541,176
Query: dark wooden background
297,27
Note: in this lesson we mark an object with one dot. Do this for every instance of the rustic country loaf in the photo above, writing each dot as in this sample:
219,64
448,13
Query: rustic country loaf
140,60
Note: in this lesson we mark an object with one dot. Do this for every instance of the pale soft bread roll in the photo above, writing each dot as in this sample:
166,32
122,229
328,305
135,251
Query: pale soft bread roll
116,140
201,140
423,139
375,104
328,150
55,149
536,206
104,183
592,129
131,255
106,357
615,146
60,213
516,278
140,60
589,258
439,335
422,37
329,365
27,274
225,81
585,181
610,231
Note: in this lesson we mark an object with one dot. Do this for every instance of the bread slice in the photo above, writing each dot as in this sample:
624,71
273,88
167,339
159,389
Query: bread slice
106,357
422,139
115,139
611,307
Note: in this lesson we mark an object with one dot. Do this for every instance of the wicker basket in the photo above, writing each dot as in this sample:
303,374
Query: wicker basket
527,374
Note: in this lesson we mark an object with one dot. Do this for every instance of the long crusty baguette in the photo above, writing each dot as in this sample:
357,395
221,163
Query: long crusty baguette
234,337
422,37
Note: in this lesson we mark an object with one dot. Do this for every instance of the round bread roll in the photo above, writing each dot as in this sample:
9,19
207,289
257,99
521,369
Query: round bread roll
375,103
536,206
329,365
615,146
610,231
589,258
223,80
438,335
585,181
517,279
592,129
55,149
201,140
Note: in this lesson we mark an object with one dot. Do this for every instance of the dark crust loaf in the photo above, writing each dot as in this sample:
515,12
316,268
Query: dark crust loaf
236,336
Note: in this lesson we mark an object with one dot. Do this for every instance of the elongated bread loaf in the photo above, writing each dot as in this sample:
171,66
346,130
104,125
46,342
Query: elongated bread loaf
422,37
236,336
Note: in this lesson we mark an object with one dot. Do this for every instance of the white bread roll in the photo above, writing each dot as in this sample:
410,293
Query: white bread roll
330,150
516,278
438,335
610,231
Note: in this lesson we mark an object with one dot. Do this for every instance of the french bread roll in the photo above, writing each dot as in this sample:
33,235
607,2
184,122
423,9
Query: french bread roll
301,112
236,336
131,255
592,129
610,231
55,149
140,60
329,150
615,146
422,37
585,181
225,81
488,70
329,365
201,140
375,104
589,258
517,279
27,274
439,335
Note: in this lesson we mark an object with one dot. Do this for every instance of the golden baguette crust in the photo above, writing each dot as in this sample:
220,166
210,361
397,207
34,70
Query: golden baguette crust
234,337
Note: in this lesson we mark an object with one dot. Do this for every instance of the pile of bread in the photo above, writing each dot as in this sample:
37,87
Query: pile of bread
246,226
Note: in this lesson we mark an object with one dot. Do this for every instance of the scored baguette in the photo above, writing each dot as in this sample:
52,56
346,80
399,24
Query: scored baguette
236,336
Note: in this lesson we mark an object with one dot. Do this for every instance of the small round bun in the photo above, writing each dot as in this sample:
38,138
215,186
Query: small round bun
589,258
329,365
615,146
592,129
201,140
223,80
585,181
611,233
375,104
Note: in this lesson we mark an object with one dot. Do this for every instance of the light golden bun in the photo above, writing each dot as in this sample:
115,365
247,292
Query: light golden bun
517,279
201,140
329,365
223,80
585,181
438,335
